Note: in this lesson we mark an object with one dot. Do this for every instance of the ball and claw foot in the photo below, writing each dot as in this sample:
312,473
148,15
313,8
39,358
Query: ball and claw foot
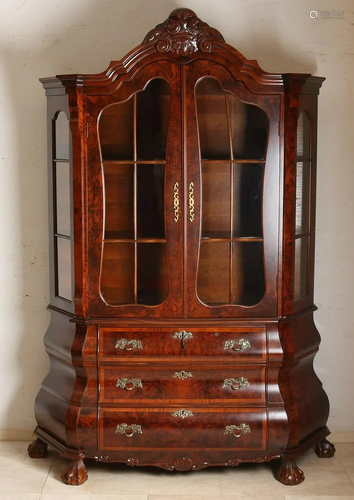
37,449
289,473
75,474
324,449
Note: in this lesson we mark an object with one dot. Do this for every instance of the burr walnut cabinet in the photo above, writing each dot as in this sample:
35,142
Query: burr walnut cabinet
182,187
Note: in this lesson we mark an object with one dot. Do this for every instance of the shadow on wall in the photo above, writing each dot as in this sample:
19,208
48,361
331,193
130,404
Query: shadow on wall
83,38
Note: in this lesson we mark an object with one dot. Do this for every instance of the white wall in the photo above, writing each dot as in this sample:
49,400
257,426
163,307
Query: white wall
47,37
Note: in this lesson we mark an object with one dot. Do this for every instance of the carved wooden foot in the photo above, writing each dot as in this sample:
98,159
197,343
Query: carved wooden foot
289,473
324,449
75,474
37,449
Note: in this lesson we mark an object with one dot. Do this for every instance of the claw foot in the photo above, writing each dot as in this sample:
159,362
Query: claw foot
75,474
324,449
37,449
289,473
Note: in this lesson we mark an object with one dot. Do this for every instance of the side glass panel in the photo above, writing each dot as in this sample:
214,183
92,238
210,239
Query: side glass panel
300,276
233,139
61,137
64,289
62,174
62,207
302,205
302,201
134,263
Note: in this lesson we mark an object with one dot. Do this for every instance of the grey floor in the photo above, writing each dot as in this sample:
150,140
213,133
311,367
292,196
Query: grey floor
23,478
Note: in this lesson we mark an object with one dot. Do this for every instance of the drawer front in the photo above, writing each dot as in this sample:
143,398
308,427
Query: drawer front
240,344
188,428
240,384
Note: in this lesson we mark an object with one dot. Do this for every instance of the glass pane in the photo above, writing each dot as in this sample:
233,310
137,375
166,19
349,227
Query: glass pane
116,131
153,107
150,201
214,273
248,285
247,200
62,137
216,195
302,206
119,201
63,198
300,272
249,130
152,273
64,277
303,136
117,275
212,120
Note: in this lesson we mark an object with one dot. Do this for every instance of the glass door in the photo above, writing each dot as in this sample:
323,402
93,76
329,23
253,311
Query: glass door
140,169
134,264
233,271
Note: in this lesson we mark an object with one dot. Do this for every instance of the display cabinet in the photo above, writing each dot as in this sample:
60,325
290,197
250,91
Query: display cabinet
182,185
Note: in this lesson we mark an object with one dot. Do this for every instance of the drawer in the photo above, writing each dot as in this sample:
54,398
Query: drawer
183,428
242,384
240,344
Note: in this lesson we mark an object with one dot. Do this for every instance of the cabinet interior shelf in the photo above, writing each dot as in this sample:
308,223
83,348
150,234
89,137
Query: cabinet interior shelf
241,239
134,240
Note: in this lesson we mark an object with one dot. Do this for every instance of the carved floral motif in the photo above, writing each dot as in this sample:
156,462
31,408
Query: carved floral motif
132,462
183,33
182,464
103,458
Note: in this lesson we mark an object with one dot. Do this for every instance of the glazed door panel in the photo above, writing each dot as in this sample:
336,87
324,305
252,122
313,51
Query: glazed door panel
134,145
231,175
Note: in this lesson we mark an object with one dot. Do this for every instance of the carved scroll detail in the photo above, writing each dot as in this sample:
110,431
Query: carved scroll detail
182,464
183,33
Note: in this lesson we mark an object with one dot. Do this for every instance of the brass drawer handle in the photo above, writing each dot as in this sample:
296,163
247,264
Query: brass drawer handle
183,375
182,413
182,336
128,430
191,201
128,345
129,385
237,345
176,201
237,430
236,384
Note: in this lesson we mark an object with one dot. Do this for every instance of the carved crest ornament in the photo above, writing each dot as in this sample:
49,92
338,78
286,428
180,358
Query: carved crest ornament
183,33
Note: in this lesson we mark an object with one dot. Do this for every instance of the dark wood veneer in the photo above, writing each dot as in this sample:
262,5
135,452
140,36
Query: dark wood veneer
182,331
